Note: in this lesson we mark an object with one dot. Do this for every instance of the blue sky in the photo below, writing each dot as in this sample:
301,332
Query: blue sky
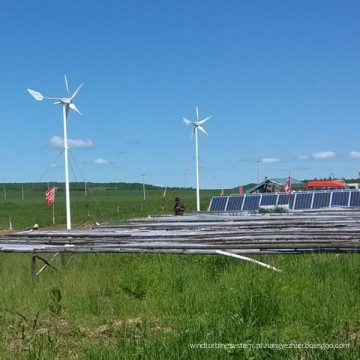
281,80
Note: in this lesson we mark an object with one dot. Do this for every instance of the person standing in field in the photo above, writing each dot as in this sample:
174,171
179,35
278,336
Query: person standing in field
179,207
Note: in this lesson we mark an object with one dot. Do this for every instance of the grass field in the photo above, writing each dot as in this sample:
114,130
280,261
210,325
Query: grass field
103,203
157,306
149,306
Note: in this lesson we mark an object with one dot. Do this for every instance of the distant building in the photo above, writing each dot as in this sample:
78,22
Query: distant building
275,185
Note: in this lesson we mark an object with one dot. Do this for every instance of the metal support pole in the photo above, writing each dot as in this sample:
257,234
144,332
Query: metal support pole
67,186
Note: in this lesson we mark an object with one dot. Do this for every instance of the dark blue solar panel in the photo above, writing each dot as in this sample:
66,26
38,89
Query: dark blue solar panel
218,203
291,201
303,201
321,200
268,199
340,198
235,202
355,198
284,199
297,200
251,202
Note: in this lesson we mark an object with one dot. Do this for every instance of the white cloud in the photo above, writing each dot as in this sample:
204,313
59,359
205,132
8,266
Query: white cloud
56,142
270,160
355,154
101,161
303,157
80,143
323,155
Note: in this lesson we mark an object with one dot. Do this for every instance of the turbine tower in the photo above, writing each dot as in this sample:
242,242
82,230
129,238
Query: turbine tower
67,104
197,125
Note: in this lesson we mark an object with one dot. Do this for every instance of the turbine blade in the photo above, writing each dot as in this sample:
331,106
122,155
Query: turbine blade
76,91
197,114
203,130
206,119
186,121
72,106
57,102
67,86
193,132
36,95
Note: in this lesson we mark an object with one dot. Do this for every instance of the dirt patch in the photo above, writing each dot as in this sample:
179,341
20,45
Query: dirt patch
26,334
135,325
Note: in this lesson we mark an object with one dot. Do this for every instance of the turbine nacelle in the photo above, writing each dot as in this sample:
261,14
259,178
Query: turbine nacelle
197,124
64,101
69,104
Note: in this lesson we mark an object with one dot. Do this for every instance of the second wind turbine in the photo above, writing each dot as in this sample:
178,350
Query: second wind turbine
197,125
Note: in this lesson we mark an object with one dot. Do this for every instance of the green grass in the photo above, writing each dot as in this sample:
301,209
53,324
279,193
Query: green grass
151,306
102,203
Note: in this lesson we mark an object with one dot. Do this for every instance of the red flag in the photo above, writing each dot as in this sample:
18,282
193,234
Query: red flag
288,185
241,190
50,196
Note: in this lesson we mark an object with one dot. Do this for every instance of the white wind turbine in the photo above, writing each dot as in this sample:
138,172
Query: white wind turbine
67,104
197,125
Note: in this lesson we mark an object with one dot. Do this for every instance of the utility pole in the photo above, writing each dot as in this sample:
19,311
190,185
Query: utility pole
258,170
142,175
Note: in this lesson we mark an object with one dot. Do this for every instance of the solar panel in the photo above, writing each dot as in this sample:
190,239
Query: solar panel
321,199
251,202
268,199
283,199
340,198
297,200
303,200
235,202
291,201
218,203
355,198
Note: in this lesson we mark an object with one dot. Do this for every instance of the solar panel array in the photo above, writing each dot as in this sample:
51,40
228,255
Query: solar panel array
296,201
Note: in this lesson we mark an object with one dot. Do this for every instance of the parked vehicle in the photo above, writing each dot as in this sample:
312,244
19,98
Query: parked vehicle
332,184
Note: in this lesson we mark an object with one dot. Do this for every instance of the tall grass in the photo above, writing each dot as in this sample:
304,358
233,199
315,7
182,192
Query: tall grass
151,306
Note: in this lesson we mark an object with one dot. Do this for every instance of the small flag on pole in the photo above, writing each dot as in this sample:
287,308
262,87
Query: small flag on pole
50,196
288,185
241,190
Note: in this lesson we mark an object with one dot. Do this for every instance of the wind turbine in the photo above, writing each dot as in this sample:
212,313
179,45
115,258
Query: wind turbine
197,125
67,103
